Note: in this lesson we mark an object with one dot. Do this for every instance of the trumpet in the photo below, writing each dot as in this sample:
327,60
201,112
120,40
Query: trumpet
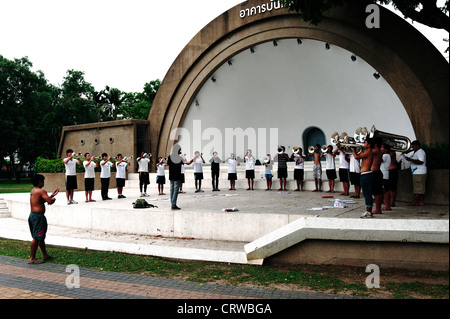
125,159
147,155
77,156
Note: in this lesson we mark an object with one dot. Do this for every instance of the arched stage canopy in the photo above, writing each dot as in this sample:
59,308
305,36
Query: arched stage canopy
202,85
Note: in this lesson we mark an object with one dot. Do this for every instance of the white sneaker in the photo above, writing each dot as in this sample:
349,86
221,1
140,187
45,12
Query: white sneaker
69,202
142,194
367,215
145,194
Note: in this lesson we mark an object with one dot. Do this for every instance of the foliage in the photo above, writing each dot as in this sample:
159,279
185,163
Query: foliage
437,155
422,11
33,112
43,165
25,100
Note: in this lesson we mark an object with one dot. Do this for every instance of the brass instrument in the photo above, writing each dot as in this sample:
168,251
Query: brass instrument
311,149
324,148
125,159
334,138
398,143
343,138
346,143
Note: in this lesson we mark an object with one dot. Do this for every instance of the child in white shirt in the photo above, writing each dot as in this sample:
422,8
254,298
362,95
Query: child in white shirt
161,175
249,169
232,173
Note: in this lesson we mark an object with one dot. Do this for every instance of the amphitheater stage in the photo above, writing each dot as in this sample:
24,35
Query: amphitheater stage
274,226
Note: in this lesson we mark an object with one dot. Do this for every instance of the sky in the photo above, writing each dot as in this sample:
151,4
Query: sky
122,44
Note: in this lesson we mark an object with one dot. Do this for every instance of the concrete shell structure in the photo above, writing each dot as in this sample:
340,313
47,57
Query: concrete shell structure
413,85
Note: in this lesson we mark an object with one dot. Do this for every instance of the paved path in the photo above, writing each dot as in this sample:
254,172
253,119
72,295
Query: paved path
18,280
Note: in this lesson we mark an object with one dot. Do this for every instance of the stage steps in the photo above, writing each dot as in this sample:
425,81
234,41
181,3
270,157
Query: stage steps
348,229
4,210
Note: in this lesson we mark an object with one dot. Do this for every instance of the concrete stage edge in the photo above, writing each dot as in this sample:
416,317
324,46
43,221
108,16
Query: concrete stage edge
271,227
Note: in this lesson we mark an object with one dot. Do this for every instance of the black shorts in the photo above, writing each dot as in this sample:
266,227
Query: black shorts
182,180
250,173
71,182
198,176
343,174
161,180
393,179
299,174
144,178
282,172
89,184
120,182
386,185
232,176
377,183
354,178
38,225
331,174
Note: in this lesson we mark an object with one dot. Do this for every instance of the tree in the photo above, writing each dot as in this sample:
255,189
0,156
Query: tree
114,98
137,105
25,101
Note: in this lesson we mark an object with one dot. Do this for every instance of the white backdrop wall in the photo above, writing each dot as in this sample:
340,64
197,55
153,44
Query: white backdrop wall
272,96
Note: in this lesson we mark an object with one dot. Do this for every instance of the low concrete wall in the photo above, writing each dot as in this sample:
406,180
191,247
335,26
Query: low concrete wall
360,254
437,187
55,180
181,224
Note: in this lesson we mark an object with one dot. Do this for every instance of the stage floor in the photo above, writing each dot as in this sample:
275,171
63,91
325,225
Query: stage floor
263,207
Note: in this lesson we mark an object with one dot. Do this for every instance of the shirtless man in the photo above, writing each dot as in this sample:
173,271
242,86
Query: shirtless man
37,221
377,182
317,168
366,176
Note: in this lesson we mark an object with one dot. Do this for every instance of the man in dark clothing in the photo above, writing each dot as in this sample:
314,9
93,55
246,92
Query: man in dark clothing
175,161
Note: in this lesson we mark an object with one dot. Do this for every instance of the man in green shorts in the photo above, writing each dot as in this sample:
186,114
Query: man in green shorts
37,221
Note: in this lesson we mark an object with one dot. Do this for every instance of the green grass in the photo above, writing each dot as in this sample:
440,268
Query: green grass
11,186
330,279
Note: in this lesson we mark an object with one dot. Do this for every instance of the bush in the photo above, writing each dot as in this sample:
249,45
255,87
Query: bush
437,155
43,165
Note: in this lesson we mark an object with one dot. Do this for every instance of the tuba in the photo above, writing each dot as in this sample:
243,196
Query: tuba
324,148
311,149
398,143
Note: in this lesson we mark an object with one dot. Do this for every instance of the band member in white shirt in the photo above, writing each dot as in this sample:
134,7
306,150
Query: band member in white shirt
144,178
105,174
249,169
70,164
89,176
121,171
